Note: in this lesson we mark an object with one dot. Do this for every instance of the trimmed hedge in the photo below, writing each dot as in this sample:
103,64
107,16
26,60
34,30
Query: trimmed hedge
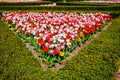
67,8
59,8
24,3
80,4
58,3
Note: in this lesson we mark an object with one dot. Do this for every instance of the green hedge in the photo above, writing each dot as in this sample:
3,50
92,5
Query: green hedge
58,3
24,3
80,4
59,8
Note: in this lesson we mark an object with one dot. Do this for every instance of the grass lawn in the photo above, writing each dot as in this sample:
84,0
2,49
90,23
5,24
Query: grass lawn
98,61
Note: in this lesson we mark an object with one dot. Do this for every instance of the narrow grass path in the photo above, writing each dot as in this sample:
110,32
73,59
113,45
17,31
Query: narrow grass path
98,61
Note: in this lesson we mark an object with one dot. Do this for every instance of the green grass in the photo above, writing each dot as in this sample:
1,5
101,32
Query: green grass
98,61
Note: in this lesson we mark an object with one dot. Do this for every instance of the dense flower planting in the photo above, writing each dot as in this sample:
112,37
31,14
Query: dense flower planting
55,35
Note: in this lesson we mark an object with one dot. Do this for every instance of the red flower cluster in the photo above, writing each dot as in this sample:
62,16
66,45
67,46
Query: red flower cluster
55,31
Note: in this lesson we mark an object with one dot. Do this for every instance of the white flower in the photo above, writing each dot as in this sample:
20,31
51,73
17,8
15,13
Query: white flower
51,46
33,32
68,30
46,44
68,43
43,38
54,41
62,26
72,36
71,27
42,29
55,31
55,45
41,34
52,31
23,29
75,32
57,27
44,25
61,41
36,38
76,29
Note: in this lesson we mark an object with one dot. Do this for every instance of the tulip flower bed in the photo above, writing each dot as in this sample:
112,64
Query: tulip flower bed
55,35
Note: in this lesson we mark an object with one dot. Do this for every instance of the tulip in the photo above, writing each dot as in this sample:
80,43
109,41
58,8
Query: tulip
42,43
81,35
79,39
68,35
52,52
45,49
39,40
56,51
47,38
92,29
62,47
61,54
87,28
51,46
47,44
56,30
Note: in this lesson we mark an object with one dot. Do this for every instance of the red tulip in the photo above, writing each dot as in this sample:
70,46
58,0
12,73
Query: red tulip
87,28
99,25
38,33
50,35
92,29
39,40
82,20
45,49
64,39
68,36
10,20
101,21
42,43
47,38
87,33
56,51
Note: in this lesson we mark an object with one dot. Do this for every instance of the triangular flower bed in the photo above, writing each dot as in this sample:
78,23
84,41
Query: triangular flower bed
53,36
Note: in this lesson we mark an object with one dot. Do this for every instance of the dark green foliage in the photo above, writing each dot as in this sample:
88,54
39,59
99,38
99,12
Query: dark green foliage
114,15
61,8
24,3
80,4
60,3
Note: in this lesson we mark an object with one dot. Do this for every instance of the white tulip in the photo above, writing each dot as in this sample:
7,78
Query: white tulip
51,46
43,38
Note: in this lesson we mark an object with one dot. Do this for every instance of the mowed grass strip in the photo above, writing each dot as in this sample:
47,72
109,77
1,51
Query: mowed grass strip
98,61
